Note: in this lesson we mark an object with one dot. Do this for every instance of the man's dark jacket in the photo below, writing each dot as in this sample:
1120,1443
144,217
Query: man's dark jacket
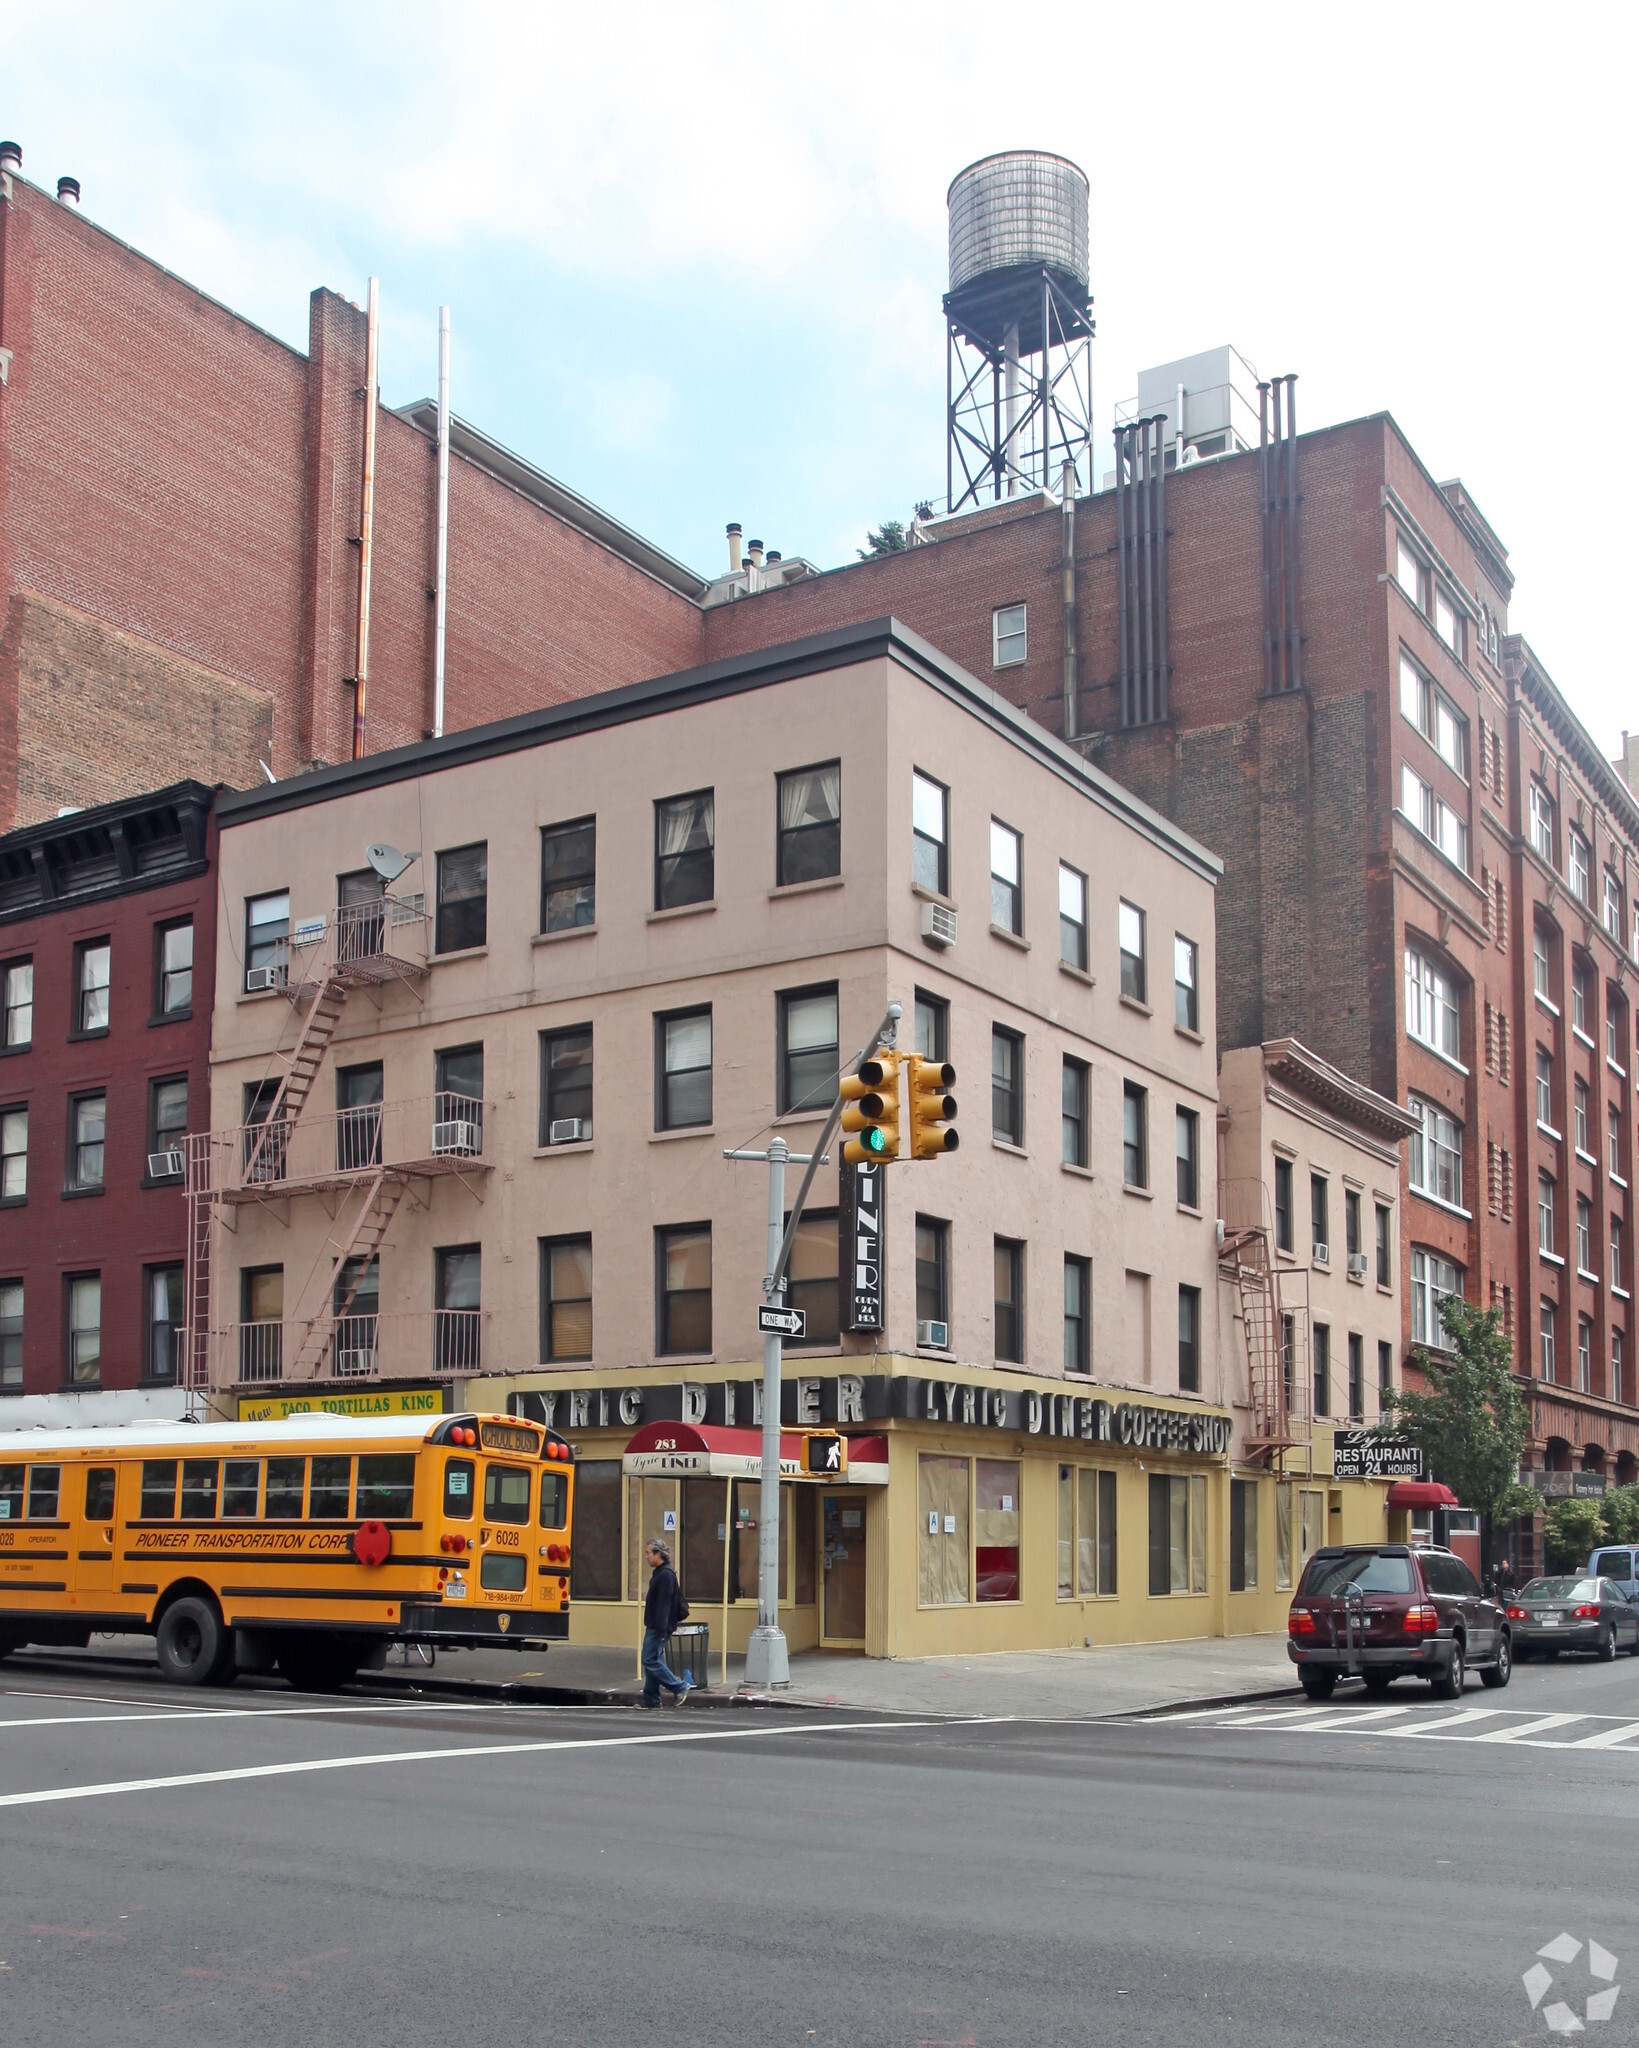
660,1603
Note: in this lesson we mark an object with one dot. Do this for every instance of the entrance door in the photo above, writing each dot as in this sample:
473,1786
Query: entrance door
843,1615
94,1561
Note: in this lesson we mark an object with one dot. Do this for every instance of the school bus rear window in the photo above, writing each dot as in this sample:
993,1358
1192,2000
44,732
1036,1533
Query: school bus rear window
387,1486
458,1489
554,1499
506,1494
500,1573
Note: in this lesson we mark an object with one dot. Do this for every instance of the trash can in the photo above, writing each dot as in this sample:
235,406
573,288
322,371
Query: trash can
688,1652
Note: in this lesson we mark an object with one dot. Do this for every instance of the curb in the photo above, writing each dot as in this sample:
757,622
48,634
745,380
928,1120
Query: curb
1163,1708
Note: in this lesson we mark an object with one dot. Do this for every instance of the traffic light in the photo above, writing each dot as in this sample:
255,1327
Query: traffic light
871,1107
825,1456
933,1110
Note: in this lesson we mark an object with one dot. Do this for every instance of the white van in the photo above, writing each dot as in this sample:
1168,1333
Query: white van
1618,1561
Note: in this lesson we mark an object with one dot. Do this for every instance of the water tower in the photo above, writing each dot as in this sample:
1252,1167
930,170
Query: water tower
1019,355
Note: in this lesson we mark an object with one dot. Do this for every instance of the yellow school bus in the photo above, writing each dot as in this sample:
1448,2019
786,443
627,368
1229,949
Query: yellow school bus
306,1544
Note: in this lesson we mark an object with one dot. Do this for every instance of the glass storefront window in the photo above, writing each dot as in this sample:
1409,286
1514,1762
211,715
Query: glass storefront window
1095,1544
595,1541
996,1529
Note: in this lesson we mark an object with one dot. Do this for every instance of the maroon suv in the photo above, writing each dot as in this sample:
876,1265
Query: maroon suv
1382,1611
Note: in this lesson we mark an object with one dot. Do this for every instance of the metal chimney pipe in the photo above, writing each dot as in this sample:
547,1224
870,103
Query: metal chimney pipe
755,550
442,623
1296,658
11,156
68,192
734,547
367,514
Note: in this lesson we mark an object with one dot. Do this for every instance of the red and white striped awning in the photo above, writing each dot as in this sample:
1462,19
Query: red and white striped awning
687,1450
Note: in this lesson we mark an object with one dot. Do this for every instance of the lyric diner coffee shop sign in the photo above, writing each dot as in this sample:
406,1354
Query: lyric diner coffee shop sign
864,1398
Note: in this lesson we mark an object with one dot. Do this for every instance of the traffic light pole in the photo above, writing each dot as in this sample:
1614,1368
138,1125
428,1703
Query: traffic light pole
768,1661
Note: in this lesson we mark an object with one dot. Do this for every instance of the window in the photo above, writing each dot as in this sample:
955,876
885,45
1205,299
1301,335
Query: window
1178,1534
358,1117
809,824
930,821
1410,574
168,1120
1447,623
1584,1235
683,1285
1616,1253
1613,1036
683,1079
566,1086
1581,1007
1436,1153
569,872
1434,716
16,1005
942,1531
1186,1002
1320,1232
267,940
995,1529
812,1276
355,1302
1431,1004
1135,1143
1545,1213
87,1126
1189,1340
1187,1140
1539,965
1545,1089
1579,1116
1010,640
1283,1205
1072,917
463,898
91,971
932,1022
261,1329
1087,1534
1006,896
1322,1363
1009,1301
1130,929
331,1489
932,1268
1613,1139
566,1298
13,1154
808,1056
1385,1370
361,915
1611,906
1074,1113
685,860
1432,1279
1545,1339
11,1333
1007,1085
1243,1535
1579,866
1584,1355
1434,817
458,1272
1357,1376
163,1349
1351,1223
173,970
1542,822
85,1329
1078,1294
1384,1268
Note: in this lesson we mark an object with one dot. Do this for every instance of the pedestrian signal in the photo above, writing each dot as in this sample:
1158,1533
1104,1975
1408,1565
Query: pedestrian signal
825,1456
933,1108
870,1108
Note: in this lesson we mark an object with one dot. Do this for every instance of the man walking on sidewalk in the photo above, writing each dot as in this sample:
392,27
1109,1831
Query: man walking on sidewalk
660,1618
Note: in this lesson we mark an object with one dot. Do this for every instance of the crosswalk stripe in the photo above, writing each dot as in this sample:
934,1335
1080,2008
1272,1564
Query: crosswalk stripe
1359,1717
1448,1722
1536,1727
1607,1738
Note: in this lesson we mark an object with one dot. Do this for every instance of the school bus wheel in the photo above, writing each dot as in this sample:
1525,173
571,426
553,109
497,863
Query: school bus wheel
314,1661
194,1645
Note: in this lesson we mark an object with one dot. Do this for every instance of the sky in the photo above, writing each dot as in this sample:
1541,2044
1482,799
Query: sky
694,254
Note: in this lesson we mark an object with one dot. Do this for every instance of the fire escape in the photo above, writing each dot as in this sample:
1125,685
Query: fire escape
1274,1302
361,1162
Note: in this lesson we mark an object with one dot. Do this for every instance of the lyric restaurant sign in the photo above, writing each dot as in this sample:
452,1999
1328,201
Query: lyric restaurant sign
1374,1454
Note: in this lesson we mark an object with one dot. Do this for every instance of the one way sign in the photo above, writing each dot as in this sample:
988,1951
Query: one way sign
787,1322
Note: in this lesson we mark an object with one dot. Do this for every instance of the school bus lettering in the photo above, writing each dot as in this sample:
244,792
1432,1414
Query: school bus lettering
507,1538
498,1436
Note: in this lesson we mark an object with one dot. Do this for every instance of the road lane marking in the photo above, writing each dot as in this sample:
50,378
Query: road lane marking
1608,1738
1361,1716
56,1794
1537,1727
1463,1719
194,1715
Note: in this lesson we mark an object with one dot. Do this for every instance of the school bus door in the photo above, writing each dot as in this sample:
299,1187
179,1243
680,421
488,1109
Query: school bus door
89,1506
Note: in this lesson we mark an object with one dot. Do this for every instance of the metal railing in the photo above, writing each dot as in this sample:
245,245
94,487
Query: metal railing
360,1347
428,1134
355,942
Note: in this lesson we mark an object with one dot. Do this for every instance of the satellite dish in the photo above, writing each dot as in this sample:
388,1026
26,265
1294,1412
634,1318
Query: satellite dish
388,862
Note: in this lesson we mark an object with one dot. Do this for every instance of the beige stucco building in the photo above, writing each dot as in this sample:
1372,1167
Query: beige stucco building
469,1126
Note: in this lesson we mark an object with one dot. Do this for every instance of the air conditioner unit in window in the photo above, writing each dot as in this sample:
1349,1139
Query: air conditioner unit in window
936,1335
164,1165
1359,1265
354,1365
1323,1255
938,924
458,1137
568,1130
259,978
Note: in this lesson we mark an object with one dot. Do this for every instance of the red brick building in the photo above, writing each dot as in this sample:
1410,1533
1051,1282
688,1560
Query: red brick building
107,962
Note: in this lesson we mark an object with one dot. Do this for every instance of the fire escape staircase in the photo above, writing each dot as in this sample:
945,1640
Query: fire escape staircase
383,1193
1275,1319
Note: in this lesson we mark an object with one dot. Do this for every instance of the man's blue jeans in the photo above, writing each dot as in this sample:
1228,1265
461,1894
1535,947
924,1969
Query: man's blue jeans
656,1673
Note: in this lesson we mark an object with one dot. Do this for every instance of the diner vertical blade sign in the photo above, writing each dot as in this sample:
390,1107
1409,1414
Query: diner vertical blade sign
861,1190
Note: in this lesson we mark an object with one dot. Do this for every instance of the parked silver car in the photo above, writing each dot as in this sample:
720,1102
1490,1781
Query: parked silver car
1550,1615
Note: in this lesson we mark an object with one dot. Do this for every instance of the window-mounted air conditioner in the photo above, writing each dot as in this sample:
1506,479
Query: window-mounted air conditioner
259,978
164,1165
353,1365
1359,1265
1323,1255
568,1130
938,924
935,1335
458,1136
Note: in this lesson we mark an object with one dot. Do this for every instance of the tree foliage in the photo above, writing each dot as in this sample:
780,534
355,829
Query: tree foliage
1619,1515
1470,1424
1571,1530
886,539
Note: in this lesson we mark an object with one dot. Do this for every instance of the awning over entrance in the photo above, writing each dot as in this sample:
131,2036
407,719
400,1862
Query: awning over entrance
1421,1493
686,1450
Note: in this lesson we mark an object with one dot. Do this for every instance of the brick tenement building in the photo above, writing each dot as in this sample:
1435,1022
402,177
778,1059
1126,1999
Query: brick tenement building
180,501
1364,763
107,961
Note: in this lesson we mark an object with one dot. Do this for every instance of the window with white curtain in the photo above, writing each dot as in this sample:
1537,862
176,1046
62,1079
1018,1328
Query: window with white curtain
810,803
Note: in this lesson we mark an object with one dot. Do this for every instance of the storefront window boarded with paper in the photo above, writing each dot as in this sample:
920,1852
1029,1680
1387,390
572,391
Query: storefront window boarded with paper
942,1532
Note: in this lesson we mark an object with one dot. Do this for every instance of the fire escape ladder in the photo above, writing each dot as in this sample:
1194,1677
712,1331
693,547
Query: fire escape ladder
196,1308
302,1064
382,1195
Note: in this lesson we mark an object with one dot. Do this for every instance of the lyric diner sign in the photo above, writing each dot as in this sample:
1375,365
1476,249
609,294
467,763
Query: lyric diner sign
843,1398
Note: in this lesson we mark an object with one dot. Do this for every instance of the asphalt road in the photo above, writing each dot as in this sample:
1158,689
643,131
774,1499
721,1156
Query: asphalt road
261,1867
